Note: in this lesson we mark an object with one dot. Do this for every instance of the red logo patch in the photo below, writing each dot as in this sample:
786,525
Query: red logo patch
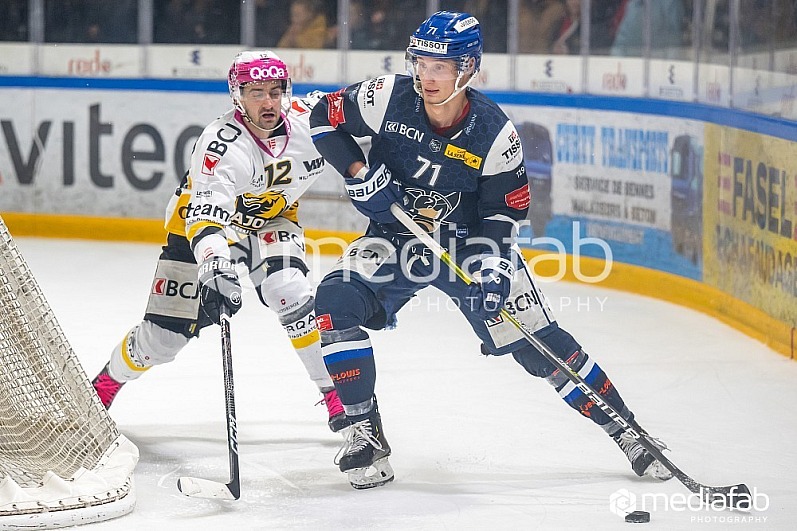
269,237
298,107
209,164
324,322
158,286
519,199
335,112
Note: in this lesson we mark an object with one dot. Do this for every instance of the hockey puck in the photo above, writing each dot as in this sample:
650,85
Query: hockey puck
638,517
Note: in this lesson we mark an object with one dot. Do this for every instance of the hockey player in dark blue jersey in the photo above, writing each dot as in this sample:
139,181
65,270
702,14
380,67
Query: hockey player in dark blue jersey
454,162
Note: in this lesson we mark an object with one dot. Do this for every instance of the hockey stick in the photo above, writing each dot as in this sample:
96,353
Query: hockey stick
205,488
733,496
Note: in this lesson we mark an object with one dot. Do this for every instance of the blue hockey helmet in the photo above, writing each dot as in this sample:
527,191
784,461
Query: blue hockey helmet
448,35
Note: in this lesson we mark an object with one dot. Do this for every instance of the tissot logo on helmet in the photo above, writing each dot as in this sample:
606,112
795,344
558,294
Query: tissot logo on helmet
429,46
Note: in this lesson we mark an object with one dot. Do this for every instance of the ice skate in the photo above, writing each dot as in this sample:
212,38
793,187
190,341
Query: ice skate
106,387
337,417
364,454
642,462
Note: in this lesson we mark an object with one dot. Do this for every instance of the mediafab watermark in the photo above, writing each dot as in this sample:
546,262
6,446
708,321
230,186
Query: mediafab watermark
623,501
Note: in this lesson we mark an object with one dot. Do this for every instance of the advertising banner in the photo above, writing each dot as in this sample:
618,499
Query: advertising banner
549,73
16,59
106,153
636,185
116,153
751,219
91,60
616,76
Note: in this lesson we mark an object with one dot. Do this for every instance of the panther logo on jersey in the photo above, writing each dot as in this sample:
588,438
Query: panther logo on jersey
252,210
431,208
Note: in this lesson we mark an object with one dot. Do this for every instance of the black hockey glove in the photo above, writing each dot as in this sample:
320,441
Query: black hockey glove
373,190
489,291
220,287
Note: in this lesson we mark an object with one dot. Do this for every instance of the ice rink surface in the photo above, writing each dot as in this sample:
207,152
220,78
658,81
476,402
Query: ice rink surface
477,443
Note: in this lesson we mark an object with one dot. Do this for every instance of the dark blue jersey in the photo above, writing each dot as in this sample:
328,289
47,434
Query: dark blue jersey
469,182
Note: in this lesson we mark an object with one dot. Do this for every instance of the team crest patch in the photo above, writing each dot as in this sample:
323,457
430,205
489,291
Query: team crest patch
431,208
209,164
435,145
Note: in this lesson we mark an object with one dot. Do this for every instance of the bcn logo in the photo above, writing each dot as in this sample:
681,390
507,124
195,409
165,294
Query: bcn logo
270,72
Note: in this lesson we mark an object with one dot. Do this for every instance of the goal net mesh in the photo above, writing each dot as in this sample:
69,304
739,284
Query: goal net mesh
51,420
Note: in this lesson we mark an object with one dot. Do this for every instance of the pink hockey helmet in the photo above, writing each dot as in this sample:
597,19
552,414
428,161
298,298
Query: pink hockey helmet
258,67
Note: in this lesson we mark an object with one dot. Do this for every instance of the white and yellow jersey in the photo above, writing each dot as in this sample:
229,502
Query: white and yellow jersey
239,182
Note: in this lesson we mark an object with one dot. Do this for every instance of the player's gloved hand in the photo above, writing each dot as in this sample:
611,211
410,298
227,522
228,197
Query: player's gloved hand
220,288
373,190
489,291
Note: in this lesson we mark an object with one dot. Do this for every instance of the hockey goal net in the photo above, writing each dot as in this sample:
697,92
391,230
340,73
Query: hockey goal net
62,460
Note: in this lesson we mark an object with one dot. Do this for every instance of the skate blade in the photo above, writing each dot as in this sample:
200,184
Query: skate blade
375,475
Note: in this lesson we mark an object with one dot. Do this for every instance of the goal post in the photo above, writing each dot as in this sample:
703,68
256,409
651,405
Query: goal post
63,461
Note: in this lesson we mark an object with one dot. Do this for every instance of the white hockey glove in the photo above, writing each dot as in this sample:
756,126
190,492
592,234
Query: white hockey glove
220,288
489,293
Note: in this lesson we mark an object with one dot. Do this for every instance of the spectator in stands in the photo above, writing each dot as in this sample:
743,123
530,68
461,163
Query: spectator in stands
375,28
569,38
308,26
197,21
766,22
494,11
539,20
666,29
14,22
270,17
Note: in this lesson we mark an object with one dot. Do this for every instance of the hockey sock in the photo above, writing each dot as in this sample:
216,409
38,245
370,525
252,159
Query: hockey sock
350,362
597,379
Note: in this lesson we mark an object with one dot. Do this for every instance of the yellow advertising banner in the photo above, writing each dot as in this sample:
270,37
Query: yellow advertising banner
750,219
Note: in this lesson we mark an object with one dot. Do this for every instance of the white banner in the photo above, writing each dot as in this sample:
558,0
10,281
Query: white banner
16,59
105,153
616,76
91,60
549,73
672,80
117,153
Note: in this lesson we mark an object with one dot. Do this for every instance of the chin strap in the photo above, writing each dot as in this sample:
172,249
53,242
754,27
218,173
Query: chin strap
269,131
457,88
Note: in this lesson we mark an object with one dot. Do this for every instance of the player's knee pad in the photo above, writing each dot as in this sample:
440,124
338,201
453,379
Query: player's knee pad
560,342
345,303
288,293
145,345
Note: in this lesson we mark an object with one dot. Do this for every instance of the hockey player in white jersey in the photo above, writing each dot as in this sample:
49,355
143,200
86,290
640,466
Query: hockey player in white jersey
236,205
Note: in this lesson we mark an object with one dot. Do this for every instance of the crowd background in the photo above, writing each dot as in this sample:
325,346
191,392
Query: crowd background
615,27
749,46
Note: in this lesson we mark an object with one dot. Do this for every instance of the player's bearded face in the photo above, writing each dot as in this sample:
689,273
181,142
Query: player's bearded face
262,103
438,78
